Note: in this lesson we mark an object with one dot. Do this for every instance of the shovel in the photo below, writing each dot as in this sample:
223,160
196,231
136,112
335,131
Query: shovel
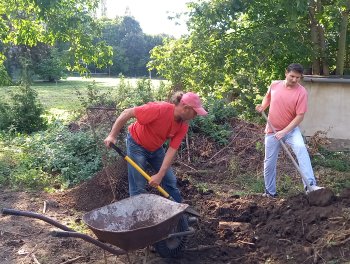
305,180
320,197
148,178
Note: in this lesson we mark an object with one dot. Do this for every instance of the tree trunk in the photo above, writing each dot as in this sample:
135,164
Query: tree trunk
314,39
322,42
342,40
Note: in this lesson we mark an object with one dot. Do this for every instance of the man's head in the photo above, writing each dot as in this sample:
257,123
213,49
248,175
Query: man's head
294,72
193,100
190,105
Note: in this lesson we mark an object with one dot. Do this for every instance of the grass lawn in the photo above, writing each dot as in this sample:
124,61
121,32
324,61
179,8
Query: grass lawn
62,95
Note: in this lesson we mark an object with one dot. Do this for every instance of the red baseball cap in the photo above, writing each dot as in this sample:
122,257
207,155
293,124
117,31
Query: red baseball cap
193,100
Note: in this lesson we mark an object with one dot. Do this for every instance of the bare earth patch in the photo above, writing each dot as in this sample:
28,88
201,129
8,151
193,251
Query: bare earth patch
234,229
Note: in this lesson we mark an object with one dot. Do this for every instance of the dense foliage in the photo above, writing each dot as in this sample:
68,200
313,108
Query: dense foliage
131,47
26,24
236,48
23,112
52,156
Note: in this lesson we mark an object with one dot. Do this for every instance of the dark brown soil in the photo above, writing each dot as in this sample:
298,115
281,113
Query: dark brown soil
233,228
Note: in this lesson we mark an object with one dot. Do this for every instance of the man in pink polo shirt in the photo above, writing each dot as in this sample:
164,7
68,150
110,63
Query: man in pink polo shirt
287,100
156,122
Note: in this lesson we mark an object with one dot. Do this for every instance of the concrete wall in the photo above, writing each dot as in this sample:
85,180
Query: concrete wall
328,109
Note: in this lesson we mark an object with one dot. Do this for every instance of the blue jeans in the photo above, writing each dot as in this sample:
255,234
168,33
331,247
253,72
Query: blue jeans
272,147
141,157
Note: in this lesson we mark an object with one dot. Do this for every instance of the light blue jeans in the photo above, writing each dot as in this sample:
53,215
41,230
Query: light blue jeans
272,147
142,157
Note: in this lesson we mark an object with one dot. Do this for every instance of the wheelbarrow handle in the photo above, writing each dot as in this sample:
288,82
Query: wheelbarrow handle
284,146
140,170
7,211
115,251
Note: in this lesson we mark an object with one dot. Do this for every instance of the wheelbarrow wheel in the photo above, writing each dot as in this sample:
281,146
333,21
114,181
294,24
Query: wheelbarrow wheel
173,247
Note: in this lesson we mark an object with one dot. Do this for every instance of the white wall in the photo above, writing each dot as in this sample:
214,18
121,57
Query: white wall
328,108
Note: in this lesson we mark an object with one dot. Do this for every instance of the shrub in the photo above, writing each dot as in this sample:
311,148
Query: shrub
95,97
339,161
26,112
216,124
5,79
52,156
128,96
4,116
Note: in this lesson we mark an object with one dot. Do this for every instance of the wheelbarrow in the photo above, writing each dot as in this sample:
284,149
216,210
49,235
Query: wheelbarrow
129,224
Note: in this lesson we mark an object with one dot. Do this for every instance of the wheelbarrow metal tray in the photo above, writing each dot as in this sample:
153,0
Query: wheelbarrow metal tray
135,222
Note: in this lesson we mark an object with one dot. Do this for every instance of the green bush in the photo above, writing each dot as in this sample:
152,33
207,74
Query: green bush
4,116
339,161
128,96
164,91
23,113
74,156
95,97
216,124
52,156
5,79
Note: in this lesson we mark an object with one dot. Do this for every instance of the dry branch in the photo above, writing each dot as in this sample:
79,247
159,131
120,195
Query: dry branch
73,260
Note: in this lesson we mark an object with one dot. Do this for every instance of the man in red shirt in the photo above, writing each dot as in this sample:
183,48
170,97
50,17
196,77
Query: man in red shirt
156,122
287,100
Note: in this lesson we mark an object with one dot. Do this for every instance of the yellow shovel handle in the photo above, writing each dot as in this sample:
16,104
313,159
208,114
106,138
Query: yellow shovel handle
144,174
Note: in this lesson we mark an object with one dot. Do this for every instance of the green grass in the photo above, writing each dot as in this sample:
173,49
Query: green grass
62,95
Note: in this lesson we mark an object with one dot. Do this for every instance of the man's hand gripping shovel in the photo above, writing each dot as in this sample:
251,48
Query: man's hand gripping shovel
189,210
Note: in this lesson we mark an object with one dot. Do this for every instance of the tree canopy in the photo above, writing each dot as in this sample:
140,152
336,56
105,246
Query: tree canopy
29,22
235,48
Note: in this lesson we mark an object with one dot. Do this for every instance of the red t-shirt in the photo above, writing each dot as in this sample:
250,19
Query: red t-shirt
285,104
155,124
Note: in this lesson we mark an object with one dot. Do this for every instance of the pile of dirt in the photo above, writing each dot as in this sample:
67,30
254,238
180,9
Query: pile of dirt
278,230
107,186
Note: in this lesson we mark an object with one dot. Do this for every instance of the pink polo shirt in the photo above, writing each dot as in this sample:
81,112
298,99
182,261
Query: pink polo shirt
285,104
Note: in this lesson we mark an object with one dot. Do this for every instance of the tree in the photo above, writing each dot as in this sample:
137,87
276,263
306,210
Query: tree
29,22
341,53
236,48
51,67
130,45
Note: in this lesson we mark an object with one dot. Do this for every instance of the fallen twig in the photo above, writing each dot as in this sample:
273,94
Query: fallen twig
73,260
35,259
44,209
244,242
188,166
188,149
283,239
202,247
247,145
30,253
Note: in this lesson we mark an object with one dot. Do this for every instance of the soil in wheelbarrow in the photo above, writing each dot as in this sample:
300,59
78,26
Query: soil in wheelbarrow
234,228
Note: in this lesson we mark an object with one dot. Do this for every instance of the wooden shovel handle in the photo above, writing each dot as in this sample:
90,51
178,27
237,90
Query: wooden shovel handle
288,152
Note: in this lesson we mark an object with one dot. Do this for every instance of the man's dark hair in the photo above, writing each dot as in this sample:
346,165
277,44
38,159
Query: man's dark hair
295,67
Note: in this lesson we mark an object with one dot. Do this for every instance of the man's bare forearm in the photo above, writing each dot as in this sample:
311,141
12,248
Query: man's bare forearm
118,125
294,123
168,160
